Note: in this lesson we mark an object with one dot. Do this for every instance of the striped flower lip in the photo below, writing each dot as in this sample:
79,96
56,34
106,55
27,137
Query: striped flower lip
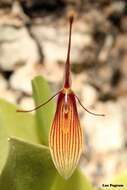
66,138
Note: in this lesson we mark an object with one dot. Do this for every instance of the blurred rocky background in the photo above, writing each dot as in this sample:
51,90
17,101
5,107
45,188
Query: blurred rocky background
33,41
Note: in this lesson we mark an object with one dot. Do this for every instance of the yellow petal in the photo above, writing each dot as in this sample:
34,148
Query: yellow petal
66,138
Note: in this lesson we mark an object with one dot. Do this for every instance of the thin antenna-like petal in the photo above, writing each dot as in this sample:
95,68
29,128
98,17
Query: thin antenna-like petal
67,82
39,106
66,138
96,114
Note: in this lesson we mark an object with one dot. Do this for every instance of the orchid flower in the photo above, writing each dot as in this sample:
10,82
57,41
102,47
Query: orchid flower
66,135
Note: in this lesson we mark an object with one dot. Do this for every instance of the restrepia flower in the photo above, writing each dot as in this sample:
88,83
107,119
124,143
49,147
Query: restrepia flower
66,136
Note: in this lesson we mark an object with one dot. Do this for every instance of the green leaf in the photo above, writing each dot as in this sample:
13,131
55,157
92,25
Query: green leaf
77,182
41,93
120,179
13,124
28,167
19,125
3,147
44,115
